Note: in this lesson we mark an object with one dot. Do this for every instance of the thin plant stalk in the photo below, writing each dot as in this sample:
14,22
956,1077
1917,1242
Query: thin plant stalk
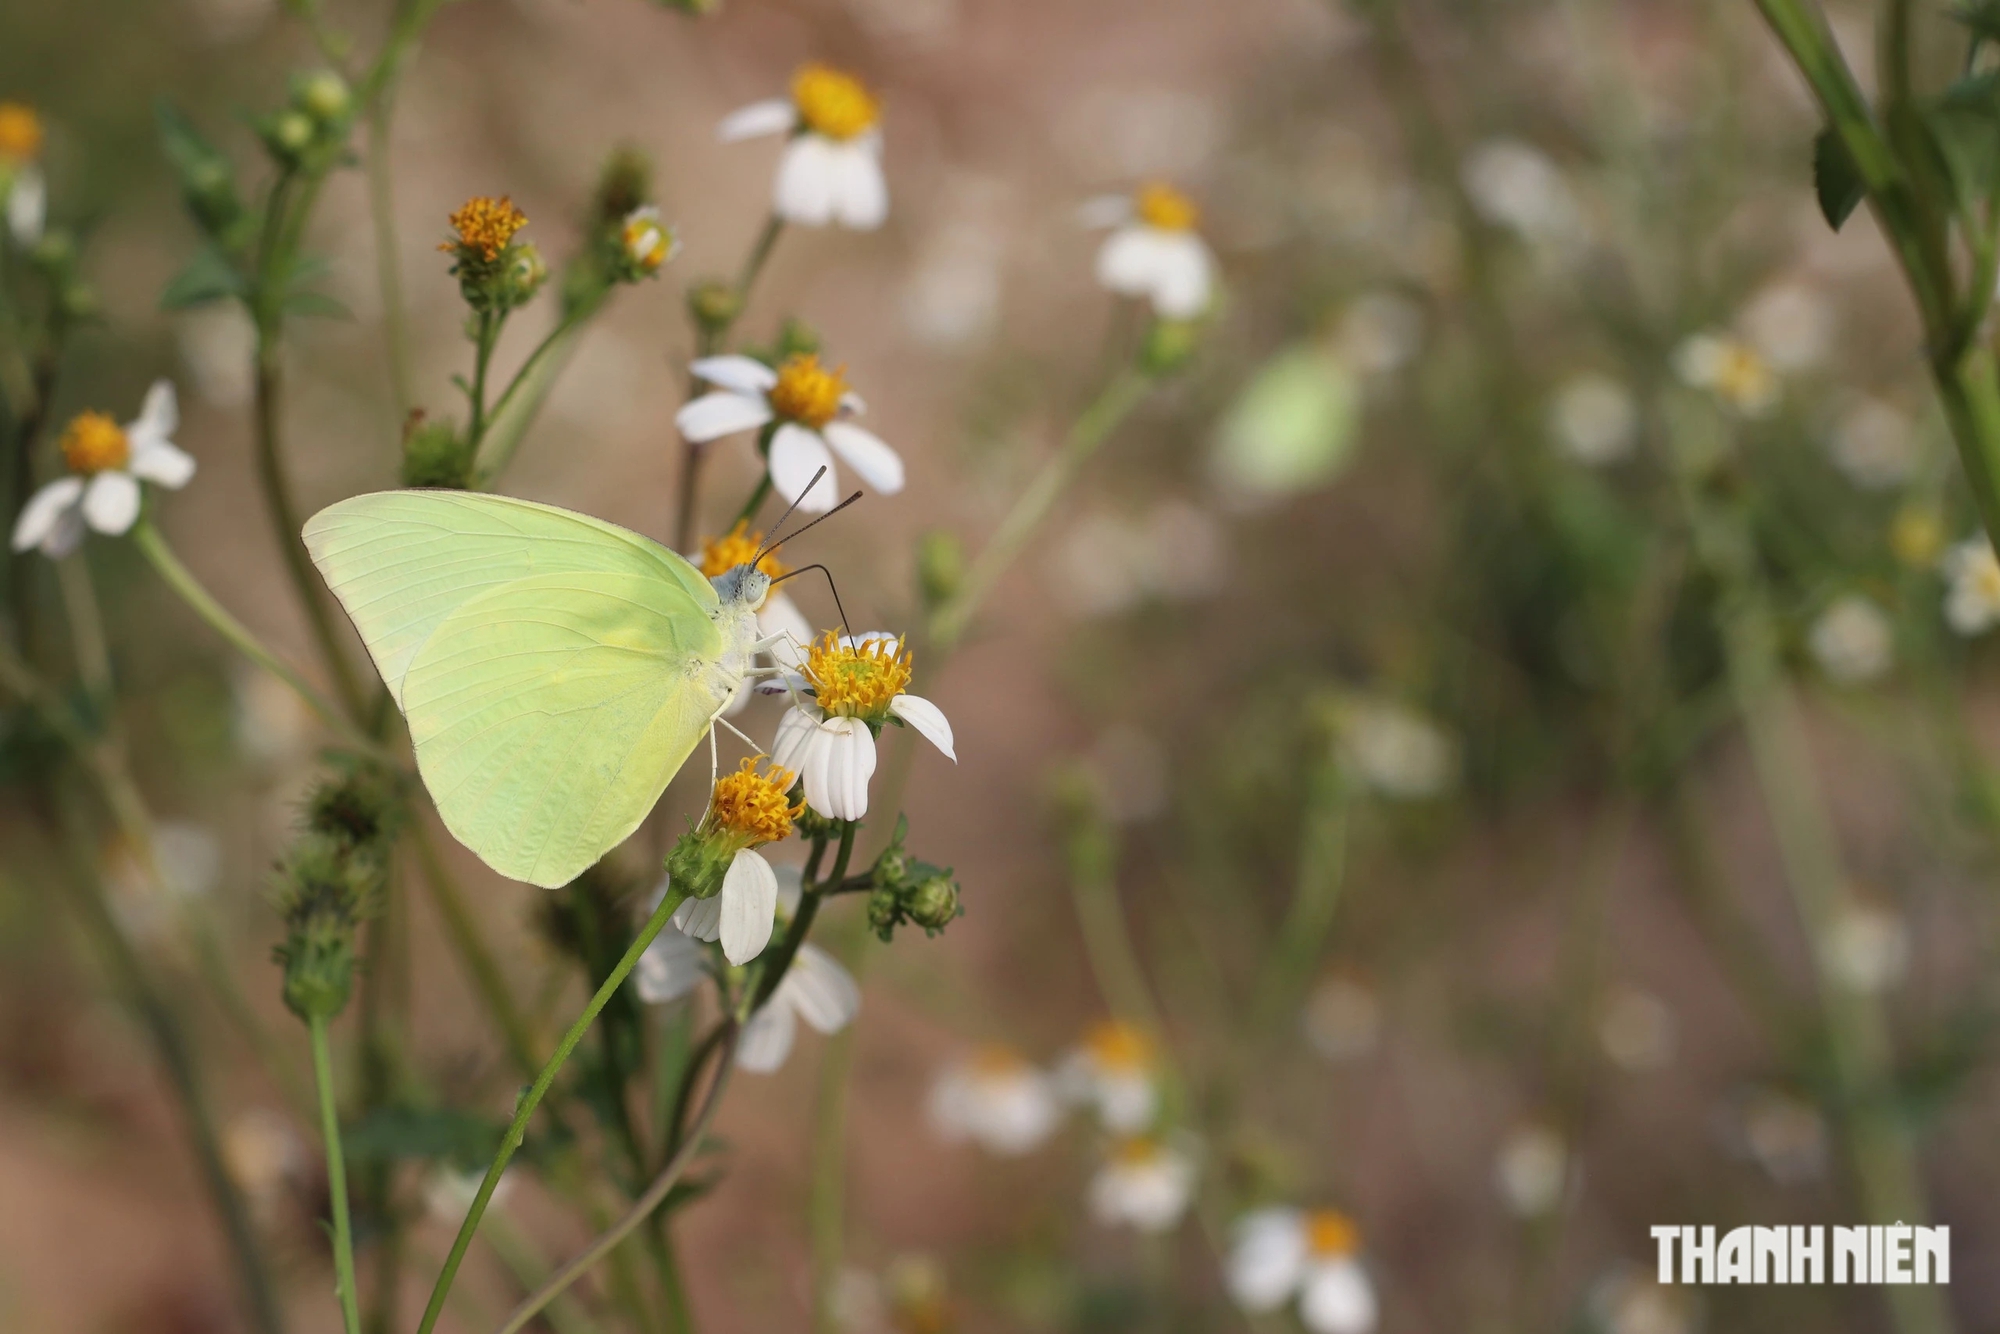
1321,876
336,1176
518,1127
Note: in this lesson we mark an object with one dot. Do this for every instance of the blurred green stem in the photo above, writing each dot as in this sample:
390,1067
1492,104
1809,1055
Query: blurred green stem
336,1178
154,547
1321,874
1090,848
1112,405
565,1315
484,970
518,1127
388,256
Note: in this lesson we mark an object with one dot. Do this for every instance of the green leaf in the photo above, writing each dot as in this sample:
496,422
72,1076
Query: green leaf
310,305
389,1133
208,181
1965,125
208,277
1836,180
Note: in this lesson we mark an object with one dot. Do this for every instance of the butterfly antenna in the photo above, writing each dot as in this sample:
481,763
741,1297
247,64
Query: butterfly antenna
803,491
829,577
776,542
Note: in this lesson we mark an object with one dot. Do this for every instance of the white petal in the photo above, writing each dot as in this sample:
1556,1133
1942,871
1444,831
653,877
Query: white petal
27,206
1267,1260
713,416
671,967
791,888
928,719
767,1038
700,918
1129,260
111,502
774,115
796,454
1338,1299
744,375
1181,285
823,993
1104,211
807,181
852,404
749,899
159,415
44,509
862,450
798,734
838,767
167,464
860,194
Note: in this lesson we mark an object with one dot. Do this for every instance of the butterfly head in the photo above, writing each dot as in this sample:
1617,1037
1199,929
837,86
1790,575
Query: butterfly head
743,586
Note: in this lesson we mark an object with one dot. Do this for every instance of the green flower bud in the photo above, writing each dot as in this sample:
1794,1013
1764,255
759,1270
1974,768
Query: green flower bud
290,134
940,566
933,903
79,302
360,807
324,96
625,183
325,894
434,454
713,305
885,912
697,863
525,274
796,339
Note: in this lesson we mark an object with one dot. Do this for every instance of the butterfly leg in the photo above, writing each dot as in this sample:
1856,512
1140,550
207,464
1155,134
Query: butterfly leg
740,733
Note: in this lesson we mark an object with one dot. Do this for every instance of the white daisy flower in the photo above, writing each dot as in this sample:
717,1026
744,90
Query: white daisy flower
997,1100
21,180
647,242
1397,751
1154,250
1972,593
1280,1253
1866,949
746,810
1874,445
106,462
829,739
831,169
1114,1071
1791,323
811,405
1145,1183
1595,420
27,206
1515,185
1852,640
1729,368
816,989
1531,1169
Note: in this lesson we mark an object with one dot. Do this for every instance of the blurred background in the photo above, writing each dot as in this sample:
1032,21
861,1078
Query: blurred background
1497,710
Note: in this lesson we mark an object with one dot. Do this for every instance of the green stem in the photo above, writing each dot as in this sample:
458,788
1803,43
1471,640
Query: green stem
147,538
336,1176
482,356
1322,873
550,340
388,259
533,1099
1112,405
1091,851
753,263
643,1207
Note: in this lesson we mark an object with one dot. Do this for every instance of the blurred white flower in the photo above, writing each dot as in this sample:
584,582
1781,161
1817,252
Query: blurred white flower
1513,184
1115,1073
106,463
218,344
1277,1253
1852,640
1732,370
1397,751
1110,563
952,295
1595,420
1873,445
1531,1169
188,859
831,169
27,205
1343,1019
449,1191
1145,1183
811,405
1791,323
1972,586
1154,250
270,722
1866,949
1785,1136
1380,332
1637,1030
816,989
997,1100
263,1154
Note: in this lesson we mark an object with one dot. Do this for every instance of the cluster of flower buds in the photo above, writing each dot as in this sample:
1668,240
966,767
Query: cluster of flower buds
435,452
331,881
309,133
495,272
907,891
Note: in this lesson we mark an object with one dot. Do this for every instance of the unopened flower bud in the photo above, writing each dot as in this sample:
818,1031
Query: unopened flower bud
1168,345
325,894
289,134
625,184
526,274
940,566
324,96
435,454
884,912
714,305
933,903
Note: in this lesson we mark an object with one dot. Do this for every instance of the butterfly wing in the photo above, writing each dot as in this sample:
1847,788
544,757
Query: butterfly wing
401,562
548,714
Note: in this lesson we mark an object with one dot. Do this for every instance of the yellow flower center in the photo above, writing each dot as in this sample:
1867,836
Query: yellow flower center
807,392
857,681
1117,1045
1742,377
720,555
755,806
1136,1151
1330,1233
1915,536
1160,205
94,443
646,241
832,103
485,226
20,133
